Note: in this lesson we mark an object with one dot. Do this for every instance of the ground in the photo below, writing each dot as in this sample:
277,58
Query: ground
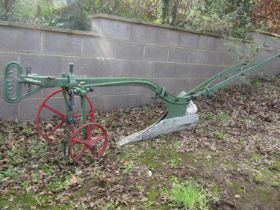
232,157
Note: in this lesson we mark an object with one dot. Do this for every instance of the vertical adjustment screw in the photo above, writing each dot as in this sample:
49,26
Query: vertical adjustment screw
71,68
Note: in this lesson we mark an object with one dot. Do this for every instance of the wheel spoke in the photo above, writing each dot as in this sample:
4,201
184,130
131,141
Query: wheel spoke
81,152
97,144
98,138
54,110
55,128
54,131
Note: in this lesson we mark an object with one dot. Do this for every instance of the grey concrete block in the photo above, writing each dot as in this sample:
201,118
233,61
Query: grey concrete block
126,68
1,86
275,67
184,71
193,82
164,70
213,70
90,67
175,86
136,69
7,110
272,68
97,47
101,91
124,90
46,91
178,54
198,56
112,68
6,58
137,100
108,103
188,40
207,42
115,29
272,43
196,70
95,25
61,44
43,65
263,54
229,59
215,58
20,40
155,53
220,45
83,67
149,34
258,38
129,51
173,38
27,108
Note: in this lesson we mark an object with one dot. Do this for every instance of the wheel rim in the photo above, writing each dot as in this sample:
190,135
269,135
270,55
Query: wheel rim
56,127
95,143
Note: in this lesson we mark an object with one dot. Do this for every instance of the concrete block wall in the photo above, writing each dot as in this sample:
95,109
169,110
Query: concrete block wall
176,59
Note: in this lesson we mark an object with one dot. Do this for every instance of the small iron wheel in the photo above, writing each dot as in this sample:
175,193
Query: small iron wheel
88,140
55,128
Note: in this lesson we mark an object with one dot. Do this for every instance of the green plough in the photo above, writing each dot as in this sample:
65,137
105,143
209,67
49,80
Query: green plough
20,83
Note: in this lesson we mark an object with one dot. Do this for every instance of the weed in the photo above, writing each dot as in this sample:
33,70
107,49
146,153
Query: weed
178,144
152,195
255,157
10,172
188,195
58,184
110,206
256,83
219,135
128,167
275,166
222,116
26,131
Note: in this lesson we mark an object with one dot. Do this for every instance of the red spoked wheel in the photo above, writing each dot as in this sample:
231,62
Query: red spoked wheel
55,128
90,139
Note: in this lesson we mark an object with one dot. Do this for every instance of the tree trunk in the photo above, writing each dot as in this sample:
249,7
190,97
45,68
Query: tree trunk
38,9
116,6
164,11
175,11
8,6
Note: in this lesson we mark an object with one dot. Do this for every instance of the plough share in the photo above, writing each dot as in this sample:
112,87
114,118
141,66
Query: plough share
79,130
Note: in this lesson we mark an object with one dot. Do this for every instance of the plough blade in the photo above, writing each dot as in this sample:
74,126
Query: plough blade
163,126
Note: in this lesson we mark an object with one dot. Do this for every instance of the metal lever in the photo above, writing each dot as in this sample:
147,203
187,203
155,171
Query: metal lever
71,98
71,68
28,70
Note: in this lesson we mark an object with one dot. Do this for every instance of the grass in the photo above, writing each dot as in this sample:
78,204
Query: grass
220,117
188,195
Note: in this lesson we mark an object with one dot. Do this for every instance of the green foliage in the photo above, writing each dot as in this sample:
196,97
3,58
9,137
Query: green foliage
9,173
164,11
73,17
222,116
227,17
188,195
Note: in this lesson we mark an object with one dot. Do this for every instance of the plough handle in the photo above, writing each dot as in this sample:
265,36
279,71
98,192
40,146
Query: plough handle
14,83
12,86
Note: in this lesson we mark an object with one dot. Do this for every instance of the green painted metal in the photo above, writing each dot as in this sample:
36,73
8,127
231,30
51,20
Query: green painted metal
227,77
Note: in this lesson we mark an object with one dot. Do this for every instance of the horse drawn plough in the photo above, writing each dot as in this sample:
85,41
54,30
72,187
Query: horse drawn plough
76,125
